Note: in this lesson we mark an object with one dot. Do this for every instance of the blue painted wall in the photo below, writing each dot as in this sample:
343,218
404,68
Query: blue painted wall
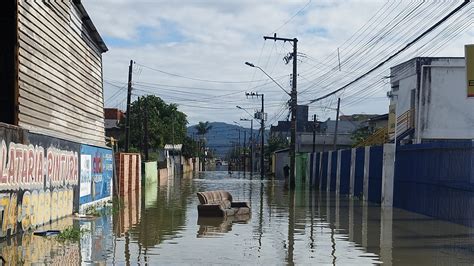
435,179
96,173
316,176
345,171
359,172
333,171
324,170
375,174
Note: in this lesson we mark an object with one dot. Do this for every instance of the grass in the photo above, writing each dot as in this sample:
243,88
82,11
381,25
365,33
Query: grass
71,234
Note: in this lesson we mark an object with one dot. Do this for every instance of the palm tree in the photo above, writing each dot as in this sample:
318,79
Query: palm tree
202,129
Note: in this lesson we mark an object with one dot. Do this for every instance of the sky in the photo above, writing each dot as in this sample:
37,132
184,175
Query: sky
192,52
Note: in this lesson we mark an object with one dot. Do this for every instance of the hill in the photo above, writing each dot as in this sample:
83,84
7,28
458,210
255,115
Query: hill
222,136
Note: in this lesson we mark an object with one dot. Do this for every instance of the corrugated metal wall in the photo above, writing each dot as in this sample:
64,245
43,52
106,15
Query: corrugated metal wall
60,73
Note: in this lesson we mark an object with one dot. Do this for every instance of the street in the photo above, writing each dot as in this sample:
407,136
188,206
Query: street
304,227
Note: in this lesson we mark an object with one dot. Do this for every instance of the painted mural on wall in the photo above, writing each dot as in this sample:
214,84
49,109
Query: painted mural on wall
37,180
96,174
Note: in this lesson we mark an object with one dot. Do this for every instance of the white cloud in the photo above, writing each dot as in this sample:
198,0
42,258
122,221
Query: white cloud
212,39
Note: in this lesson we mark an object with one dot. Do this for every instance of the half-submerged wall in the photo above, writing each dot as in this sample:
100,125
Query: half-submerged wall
38,179
435,179
43,179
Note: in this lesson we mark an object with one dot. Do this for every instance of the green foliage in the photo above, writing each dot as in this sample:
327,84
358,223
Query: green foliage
71,234
166,125
190,148
93,211
360,135
276,143
203,128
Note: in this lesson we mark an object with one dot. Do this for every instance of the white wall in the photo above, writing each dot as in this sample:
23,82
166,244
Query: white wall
447,112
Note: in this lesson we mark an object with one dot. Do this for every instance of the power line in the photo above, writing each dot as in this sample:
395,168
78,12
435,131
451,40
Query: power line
292,17
198,79
398,52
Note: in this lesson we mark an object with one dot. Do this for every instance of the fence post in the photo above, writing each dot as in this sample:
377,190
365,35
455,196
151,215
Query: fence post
388,172
352,177
366,173
328,180
338,172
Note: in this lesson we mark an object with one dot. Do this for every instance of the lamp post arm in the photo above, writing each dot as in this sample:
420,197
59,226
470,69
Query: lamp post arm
273,80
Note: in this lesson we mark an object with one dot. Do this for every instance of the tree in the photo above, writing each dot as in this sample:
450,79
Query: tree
276,143
166,125
360,135
190,148
203,128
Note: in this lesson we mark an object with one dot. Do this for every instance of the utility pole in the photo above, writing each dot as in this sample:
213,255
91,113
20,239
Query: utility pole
262,129
252,148
251,142
314,150
262,148
245,136
146,128
239,150
129,98
140,124
293,104
337,123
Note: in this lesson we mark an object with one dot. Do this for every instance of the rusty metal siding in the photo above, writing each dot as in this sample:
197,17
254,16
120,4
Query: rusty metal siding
60,73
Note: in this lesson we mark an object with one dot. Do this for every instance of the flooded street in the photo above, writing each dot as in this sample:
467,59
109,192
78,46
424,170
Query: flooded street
304,227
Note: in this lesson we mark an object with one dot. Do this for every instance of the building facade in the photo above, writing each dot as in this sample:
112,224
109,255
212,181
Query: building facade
52,70
53,159
430,100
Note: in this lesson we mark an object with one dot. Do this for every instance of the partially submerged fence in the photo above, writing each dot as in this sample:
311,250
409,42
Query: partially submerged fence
435,179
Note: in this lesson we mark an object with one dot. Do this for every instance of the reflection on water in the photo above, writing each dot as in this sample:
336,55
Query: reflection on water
301,227
216,226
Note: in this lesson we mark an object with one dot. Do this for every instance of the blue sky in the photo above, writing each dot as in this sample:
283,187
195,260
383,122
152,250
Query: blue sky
204,42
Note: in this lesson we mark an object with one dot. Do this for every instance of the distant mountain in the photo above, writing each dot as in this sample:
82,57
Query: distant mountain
222,136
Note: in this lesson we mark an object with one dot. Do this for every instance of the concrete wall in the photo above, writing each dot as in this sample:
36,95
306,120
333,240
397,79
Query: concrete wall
444,111
128,173
39,178
151,173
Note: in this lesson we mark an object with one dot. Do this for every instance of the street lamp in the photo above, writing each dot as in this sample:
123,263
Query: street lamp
252,65
293,116
238,107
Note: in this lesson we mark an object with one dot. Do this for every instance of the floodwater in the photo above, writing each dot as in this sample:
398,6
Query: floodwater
304,227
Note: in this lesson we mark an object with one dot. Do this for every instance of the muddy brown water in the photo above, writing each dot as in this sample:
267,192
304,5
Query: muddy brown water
160,225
